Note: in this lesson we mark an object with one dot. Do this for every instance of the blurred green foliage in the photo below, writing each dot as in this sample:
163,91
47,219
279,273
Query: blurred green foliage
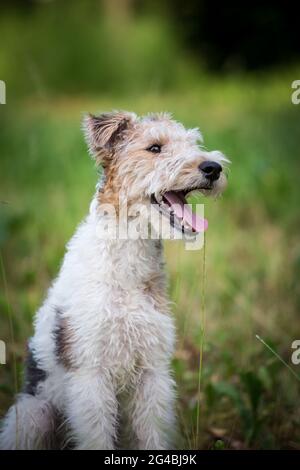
85,47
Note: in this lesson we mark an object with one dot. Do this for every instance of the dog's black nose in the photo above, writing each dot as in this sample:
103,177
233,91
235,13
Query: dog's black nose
211,170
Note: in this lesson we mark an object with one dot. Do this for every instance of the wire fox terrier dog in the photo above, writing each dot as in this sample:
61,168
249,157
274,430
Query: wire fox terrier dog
98,367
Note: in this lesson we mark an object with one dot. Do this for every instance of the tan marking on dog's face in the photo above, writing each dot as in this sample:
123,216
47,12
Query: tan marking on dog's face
109,194
133,172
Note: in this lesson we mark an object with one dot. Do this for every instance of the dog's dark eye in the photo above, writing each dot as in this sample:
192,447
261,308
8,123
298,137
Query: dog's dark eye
156,148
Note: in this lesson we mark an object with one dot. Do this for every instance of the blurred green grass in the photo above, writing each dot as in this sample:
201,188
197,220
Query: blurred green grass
247,398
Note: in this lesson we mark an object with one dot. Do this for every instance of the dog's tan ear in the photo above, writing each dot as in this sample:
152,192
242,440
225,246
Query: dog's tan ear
104,131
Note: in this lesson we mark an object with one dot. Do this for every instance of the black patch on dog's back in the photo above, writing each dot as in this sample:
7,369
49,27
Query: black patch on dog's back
33,374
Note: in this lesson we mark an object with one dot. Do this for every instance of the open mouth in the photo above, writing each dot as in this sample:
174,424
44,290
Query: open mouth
174,206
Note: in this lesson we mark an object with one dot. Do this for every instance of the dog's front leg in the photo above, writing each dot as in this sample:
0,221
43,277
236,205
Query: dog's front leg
91,409
152,410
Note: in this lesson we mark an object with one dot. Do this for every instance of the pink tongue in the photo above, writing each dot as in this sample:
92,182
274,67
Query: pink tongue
181,208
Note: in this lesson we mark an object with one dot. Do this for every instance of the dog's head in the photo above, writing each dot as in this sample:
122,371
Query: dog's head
153,159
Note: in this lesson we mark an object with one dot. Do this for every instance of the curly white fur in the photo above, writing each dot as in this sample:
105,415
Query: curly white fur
104,337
